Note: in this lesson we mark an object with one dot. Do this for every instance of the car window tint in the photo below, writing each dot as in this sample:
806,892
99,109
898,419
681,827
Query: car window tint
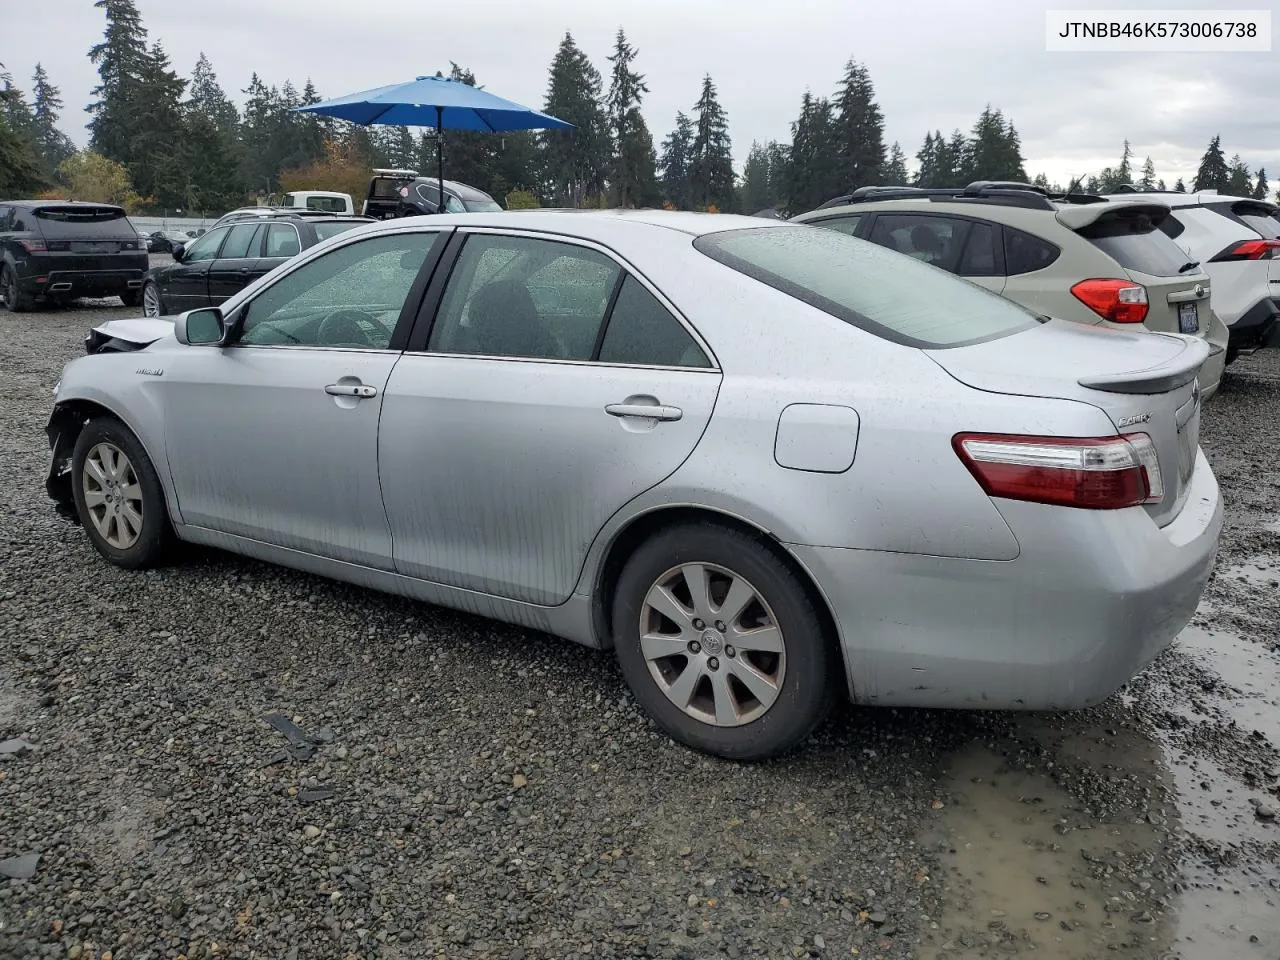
206,248
642,331
282,240
239,243
843,224
453,205
1024,253
524,297
979,257
350,297
1133,241
331,228
934,240
890,296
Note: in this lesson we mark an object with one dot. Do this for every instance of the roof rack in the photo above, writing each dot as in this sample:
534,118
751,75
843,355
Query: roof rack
1002,192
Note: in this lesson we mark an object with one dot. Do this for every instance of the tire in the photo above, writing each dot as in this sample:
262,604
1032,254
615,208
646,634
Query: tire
131,298
14,299
153,539
721,716
152,303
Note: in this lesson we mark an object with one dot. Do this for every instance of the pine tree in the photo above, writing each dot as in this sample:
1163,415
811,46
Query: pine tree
19,165
632,176
895,172
1179,187
1240,182
52,144
209,152
860,129
1213,173
1261,188
261,106
758,179
677,151
928,173
994,152
958,160
576,161
815,173
711,160
1160,185
123,61
1124,173
1148,181
779,172
469,157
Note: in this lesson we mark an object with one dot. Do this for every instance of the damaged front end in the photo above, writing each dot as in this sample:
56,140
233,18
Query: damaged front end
64,426
126,336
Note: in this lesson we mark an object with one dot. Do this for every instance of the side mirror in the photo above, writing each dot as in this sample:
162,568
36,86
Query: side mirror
179,251
201,327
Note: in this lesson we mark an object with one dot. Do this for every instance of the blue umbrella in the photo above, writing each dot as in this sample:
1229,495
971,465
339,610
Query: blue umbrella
440,102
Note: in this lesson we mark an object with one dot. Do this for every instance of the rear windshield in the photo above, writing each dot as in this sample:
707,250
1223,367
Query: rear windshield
1261,219
84,222
878,290
328,204
331,228
1135,243
481,206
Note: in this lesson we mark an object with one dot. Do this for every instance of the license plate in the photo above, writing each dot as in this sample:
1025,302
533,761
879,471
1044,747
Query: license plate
87,246
1188,318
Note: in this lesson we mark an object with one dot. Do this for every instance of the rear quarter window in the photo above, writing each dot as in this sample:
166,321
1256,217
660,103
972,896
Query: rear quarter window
326,230
1024,253
1136,244
891,296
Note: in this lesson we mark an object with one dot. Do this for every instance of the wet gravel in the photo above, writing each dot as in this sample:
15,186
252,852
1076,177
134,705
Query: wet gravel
458,788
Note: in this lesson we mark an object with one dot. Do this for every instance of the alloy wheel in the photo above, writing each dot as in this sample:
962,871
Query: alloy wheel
150,300
712,644
112,495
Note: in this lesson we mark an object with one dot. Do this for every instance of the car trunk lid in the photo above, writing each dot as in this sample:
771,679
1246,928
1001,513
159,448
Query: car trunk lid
1144,382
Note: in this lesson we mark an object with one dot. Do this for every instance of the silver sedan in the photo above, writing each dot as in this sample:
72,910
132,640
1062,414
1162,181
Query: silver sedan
767,464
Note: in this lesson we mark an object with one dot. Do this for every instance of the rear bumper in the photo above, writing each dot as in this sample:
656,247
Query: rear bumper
1257,327
83,283
1091,599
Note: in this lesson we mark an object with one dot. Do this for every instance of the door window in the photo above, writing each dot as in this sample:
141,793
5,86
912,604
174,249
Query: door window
642,331
282,240
350,297
979,257
240,242
206,248
935,240
524,297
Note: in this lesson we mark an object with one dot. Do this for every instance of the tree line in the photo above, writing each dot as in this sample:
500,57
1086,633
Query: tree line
160,141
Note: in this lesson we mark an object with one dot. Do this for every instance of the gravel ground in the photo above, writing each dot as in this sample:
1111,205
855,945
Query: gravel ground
474,790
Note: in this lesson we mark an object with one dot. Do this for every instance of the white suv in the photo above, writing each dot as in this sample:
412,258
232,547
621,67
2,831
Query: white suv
1237,241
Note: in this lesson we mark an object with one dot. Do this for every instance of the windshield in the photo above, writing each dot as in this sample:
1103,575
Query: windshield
878,290
331,228
1135,243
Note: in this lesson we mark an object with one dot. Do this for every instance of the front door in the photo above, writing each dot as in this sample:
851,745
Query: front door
275,437
555,388
185,285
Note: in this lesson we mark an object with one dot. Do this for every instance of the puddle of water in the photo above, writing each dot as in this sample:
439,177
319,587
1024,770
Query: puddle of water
1249,668
1220,914
1020,871
1262,570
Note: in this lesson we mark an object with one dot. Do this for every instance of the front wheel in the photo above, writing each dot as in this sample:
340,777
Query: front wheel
721,643
152,305
118,496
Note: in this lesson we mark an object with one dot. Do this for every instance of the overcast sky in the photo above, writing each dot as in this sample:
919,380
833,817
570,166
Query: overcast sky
935,64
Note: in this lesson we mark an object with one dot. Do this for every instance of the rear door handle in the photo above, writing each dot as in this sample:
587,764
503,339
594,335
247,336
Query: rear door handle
646,410
361,391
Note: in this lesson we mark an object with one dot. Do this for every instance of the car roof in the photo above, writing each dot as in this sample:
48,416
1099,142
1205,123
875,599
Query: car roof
600,224
1176,199
38,204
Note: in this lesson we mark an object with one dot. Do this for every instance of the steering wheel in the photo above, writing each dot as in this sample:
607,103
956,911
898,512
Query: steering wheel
344,328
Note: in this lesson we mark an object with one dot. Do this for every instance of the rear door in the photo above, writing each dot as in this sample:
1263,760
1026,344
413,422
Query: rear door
236,266
1177,288
960,245
282,241
185,285
555,386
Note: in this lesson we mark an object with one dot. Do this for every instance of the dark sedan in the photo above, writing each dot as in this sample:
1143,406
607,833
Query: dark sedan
208,270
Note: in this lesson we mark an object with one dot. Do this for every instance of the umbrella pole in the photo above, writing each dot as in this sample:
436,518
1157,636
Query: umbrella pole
440,154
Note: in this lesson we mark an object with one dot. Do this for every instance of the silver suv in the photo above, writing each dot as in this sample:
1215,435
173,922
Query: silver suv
1096,262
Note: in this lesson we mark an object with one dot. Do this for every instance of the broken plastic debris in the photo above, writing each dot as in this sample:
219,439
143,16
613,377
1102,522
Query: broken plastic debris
315,794
20,868
15,746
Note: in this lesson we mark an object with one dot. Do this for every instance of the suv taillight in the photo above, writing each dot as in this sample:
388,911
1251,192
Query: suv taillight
1119,301
1096,473
33,246
1250,250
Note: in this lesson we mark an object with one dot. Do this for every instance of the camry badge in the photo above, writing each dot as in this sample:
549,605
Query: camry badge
1130,421
150,371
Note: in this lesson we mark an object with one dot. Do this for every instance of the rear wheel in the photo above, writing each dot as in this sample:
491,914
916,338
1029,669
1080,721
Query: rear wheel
131,298
152,305
13,297
118,496
721,642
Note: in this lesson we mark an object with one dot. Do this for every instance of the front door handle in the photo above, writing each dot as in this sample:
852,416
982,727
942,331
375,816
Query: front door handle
647,411
361,391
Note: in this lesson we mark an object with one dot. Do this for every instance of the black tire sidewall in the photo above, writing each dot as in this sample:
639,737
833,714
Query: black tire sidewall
812,668
150,547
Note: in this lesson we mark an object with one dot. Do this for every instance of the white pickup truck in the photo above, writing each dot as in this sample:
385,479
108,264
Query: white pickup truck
323,200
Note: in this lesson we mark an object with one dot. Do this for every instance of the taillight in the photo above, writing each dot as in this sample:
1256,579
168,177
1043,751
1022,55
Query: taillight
1119,301
33,246
1250,250
1096,473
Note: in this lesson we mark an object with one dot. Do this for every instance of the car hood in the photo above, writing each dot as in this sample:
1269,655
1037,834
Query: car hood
132,333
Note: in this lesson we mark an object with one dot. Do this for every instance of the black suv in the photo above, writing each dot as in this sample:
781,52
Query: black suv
228,258
59,250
